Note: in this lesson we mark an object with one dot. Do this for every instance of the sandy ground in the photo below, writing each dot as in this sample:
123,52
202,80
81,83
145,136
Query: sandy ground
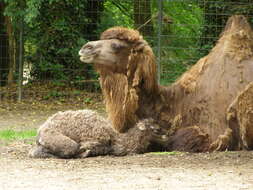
186,171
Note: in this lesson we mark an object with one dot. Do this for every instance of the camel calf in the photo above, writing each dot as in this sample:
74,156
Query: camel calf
83,133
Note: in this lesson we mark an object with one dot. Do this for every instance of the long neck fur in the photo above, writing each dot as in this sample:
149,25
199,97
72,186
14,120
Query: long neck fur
131,96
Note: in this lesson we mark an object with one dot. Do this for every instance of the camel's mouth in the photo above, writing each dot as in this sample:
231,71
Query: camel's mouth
89,52
87,58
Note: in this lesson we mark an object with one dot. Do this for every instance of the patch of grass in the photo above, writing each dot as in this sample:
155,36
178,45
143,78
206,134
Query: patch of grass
88,100
166,153
10,134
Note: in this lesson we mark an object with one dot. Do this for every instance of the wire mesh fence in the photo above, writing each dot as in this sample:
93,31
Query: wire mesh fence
40,57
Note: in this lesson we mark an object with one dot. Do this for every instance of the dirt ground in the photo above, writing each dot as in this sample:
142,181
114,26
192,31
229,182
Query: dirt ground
186,171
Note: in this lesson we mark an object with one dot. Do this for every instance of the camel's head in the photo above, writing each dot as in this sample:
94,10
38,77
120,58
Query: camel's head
114,48
104,53
122,50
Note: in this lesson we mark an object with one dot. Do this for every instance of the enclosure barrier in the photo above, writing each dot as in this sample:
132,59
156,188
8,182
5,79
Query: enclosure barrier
39,57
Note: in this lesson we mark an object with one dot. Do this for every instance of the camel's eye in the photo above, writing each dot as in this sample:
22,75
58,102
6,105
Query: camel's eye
118,46
88,47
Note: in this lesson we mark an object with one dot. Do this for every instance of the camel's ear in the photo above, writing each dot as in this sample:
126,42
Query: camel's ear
140,45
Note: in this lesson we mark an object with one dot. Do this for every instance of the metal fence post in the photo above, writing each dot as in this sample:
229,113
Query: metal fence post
21,60
159,33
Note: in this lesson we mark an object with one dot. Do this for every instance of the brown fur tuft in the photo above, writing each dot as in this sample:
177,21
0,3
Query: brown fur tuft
121,33
239,38
240,118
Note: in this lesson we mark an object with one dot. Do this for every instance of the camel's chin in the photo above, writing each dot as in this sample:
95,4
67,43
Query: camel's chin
87,59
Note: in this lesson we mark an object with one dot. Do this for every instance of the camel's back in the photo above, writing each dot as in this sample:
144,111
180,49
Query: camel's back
78,125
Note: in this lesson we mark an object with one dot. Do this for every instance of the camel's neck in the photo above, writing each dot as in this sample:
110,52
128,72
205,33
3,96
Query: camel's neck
121,103
153,104
125,103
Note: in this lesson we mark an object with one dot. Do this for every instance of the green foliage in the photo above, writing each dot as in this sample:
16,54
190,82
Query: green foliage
76,92
216,14
32,10
57,39
116,14
88,100
15,10
54,94
55,30
181,39
10,134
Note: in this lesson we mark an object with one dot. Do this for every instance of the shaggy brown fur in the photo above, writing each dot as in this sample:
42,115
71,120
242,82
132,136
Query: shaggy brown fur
122,90
191,140
84,133
209,87
199,98
240,118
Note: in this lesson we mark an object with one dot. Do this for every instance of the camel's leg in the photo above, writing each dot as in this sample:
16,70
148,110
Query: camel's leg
57,144
93,148
40,152
240,118
223,142
246,129
189,139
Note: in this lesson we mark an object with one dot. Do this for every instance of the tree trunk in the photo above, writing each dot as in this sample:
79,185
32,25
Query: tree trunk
143,17
12,51
4,48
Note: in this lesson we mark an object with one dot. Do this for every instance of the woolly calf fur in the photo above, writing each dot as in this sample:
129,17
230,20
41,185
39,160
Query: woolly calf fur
83,133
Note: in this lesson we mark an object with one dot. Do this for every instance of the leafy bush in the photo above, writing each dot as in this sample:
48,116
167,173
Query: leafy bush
181,39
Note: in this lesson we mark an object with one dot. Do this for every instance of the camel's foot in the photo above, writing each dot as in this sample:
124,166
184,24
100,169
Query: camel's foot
57,143
85,154
223,142
93,148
